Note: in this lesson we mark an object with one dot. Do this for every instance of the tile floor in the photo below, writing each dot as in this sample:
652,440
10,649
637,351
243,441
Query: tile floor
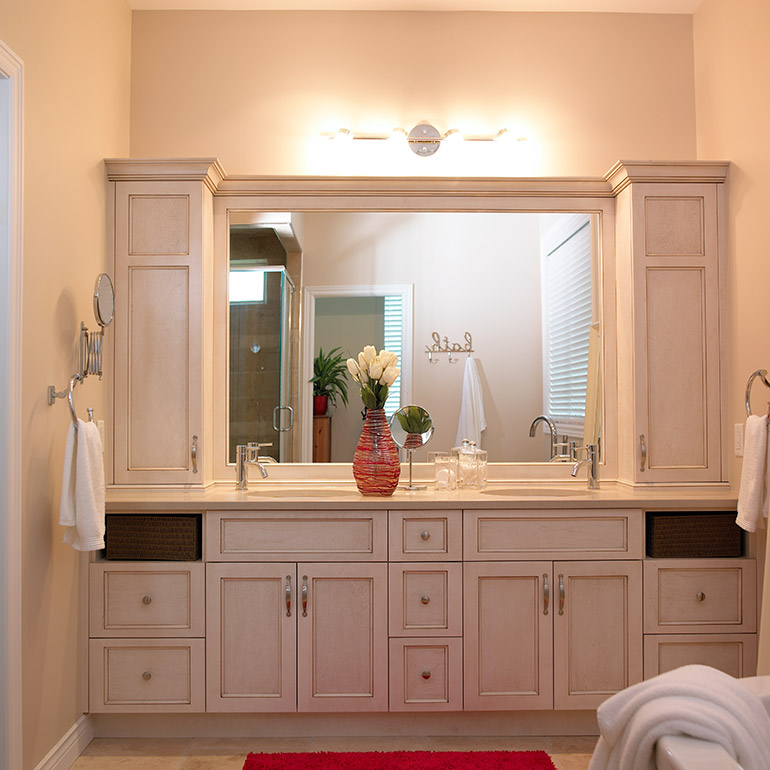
567,753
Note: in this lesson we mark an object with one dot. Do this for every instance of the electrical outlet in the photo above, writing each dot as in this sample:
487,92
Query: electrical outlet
738,439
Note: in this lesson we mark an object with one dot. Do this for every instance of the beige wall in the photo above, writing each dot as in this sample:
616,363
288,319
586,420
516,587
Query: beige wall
256,88
76,70
732,69
470,272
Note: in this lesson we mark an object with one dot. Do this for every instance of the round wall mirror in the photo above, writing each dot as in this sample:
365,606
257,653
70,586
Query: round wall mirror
104,300
411,427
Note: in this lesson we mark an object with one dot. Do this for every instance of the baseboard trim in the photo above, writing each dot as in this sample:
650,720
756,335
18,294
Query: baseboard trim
63,755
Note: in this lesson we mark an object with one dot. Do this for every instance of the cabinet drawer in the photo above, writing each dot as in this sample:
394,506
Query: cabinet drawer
553,534
417,537
426,598
297,536
146,599
700,596
426,675
735,654
132,675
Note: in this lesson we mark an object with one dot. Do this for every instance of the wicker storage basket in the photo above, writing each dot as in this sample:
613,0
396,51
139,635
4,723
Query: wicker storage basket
161,537
693,535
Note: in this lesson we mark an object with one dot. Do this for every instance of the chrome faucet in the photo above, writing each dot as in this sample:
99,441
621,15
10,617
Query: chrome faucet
551,427
592,461
245,455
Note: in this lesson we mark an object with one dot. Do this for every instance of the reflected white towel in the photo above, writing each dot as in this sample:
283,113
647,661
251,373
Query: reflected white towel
753,497
698,701
81,509
472,421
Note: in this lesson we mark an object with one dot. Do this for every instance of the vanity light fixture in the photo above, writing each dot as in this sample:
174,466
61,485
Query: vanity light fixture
425,139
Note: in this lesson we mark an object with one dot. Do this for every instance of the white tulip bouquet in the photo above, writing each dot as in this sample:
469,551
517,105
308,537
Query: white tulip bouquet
375,373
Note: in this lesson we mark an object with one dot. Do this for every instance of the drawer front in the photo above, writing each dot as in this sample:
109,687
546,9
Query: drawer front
426,675
426,599
552,534
297,536
419,537
735,654
146,599
697,596
132,675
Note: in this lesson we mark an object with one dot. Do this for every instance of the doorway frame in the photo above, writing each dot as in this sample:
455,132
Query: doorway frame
11,177
311,293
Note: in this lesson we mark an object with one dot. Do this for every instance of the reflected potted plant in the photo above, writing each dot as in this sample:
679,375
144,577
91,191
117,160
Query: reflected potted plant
415,422
329,380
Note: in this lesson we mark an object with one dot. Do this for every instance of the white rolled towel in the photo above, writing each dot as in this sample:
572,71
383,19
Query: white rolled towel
754,494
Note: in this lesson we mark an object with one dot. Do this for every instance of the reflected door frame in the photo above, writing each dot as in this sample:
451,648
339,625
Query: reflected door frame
311,293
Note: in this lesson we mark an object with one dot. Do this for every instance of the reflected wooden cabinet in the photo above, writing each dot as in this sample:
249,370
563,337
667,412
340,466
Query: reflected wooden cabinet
541,635
297,637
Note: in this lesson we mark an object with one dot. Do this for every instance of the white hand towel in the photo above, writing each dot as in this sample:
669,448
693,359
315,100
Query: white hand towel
82,503
698,701
472,421
753,497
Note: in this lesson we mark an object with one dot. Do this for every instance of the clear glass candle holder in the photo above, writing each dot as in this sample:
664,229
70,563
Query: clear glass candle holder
444,470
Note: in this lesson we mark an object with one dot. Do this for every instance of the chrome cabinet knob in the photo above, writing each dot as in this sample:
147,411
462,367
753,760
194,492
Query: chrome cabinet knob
425,599
426,674
425,535
146,676
146,600
700,596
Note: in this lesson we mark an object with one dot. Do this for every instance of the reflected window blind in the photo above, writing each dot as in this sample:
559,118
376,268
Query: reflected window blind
393,341
567,316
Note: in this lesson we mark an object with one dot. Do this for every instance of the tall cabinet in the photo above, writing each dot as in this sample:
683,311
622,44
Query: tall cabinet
669,262
163,252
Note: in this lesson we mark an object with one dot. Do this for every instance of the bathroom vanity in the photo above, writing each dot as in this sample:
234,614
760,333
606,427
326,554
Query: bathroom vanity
529,602
453,602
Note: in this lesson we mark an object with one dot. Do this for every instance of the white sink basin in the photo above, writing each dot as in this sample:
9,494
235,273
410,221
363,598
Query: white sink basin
516,491
320,492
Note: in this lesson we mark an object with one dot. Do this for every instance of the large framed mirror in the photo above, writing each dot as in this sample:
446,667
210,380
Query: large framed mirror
514,278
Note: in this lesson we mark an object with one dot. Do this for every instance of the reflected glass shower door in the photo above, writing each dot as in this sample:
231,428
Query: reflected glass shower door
261,393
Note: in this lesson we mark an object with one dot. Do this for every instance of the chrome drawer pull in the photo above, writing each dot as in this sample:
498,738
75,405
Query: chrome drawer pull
546,594
426,674
146,676
194,454
288,596
425,599
304,596
700,596
425,535
642,452
561,594
147,600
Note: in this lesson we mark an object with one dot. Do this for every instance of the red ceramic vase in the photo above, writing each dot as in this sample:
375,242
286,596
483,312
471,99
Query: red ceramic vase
376,466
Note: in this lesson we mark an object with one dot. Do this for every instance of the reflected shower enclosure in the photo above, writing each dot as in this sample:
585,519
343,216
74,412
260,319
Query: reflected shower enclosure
260,391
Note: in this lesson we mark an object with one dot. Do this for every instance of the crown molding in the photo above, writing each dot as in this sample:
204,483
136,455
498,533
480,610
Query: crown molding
626,172
206,170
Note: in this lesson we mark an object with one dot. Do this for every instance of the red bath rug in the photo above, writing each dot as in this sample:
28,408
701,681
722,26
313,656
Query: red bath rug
401,760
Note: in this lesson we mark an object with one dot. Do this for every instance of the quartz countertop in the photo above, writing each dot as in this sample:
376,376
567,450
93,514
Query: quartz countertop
345,496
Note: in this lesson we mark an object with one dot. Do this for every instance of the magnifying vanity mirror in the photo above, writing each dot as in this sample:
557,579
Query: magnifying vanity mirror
104,300
412,428
525,285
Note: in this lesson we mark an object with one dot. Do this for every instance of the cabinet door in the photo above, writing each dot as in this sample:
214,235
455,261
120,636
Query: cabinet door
251,637
159,332
597,631
342,637
508,635
676,333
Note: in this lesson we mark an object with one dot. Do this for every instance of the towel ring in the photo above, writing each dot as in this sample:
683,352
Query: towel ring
762,374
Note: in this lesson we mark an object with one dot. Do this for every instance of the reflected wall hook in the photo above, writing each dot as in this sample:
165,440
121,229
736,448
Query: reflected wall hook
443,345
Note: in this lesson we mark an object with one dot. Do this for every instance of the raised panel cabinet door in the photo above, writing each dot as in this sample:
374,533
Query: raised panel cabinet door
597,631
508,634
159,332
251,643
677,333
342,637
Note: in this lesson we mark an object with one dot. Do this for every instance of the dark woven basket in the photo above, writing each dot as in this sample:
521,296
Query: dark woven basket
693,535
161,537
